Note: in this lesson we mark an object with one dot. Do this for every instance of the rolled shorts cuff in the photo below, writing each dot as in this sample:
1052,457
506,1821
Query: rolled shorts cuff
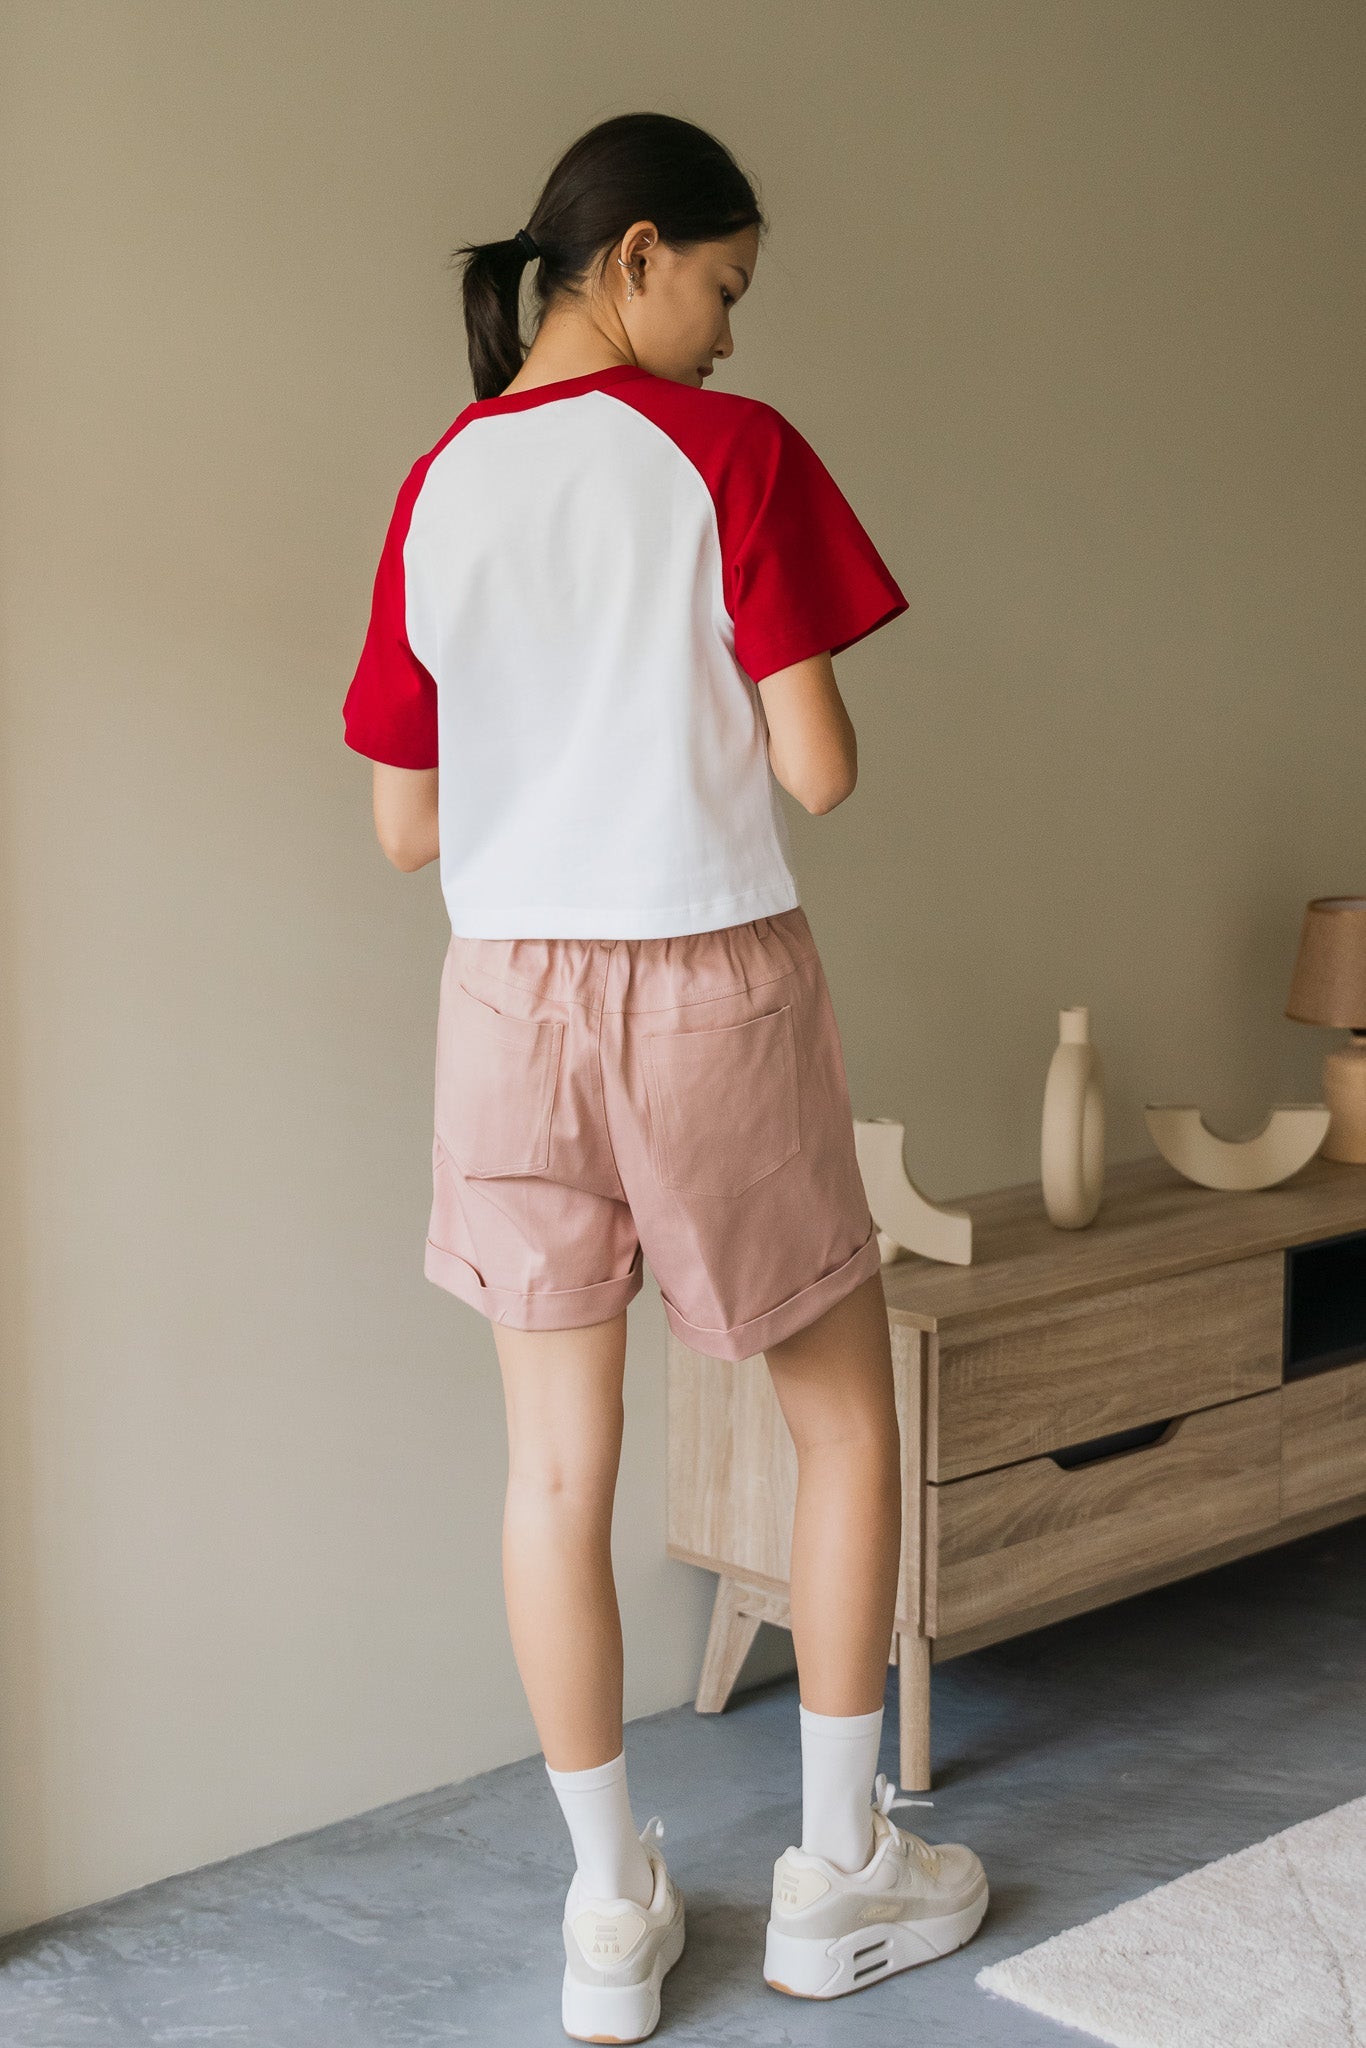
748,1339
565,1308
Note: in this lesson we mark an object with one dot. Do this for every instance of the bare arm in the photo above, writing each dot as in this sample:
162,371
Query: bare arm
811,741
405,815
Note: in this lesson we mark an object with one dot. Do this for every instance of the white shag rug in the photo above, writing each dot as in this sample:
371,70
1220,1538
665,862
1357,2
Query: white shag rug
1262,1949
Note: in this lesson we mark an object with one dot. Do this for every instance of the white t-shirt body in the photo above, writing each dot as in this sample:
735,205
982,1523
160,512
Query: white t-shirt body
580,586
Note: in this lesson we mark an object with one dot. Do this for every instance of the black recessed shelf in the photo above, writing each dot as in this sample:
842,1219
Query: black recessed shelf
1325,1305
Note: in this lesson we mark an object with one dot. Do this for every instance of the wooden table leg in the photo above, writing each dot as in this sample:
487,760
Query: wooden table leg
913,1665
733,1628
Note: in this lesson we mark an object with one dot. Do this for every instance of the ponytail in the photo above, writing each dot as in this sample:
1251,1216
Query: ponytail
491,285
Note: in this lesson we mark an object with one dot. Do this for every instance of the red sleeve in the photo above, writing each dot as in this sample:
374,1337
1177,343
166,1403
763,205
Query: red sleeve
390,709
802,577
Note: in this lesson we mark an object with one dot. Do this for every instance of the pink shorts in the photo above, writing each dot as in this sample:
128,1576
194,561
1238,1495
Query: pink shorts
680,1099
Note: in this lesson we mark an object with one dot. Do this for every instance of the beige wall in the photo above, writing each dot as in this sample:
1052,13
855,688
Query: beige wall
1069,298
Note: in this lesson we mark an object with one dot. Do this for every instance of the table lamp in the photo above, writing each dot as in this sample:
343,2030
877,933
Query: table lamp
1329,987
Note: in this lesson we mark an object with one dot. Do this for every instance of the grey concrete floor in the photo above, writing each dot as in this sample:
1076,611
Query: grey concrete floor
1085,1763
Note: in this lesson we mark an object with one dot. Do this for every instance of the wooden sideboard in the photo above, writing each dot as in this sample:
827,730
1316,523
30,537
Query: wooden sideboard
1084,1414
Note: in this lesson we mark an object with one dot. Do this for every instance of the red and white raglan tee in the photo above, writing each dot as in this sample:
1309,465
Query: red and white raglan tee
580,586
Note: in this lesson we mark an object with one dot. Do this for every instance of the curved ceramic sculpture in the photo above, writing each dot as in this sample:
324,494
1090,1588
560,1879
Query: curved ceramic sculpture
1072,1143
906,1220
1290,1137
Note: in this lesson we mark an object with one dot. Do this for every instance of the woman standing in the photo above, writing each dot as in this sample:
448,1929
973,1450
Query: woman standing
606,606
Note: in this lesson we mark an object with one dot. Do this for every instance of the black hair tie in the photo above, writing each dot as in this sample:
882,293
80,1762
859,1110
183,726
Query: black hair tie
526,244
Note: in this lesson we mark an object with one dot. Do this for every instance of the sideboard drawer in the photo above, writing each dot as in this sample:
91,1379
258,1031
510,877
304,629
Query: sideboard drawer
1008,1540
1016,1384
1323,1442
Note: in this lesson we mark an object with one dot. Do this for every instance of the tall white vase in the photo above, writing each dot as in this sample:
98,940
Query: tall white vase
1072,1149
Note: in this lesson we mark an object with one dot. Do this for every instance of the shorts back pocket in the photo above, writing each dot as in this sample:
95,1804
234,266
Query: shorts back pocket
723,1102
495,1086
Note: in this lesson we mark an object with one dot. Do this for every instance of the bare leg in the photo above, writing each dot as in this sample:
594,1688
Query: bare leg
835,1386
563,1392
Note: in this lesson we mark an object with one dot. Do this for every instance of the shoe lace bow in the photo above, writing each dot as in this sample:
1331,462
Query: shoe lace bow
885,1797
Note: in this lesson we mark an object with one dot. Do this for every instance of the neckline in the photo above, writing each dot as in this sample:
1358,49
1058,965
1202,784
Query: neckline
558,387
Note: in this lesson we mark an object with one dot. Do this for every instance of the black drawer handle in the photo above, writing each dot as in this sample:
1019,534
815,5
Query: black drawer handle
1113,1446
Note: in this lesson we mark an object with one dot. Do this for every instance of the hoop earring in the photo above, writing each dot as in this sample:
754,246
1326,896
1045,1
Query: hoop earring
630,282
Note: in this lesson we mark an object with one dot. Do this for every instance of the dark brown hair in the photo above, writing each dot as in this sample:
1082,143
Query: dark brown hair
631,167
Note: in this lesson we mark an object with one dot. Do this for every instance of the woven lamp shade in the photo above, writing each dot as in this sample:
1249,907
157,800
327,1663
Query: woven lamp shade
1328,985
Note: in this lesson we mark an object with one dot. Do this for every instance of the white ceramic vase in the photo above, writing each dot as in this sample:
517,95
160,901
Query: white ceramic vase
1072,1149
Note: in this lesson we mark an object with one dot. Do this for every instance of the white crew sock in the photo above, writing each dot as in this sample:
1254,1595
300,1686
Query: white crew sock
839,1763
607,1845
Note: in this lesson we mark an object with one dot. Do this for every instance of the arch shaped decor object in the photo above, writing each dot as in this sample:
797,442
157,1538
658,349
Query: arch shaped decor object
906,1219
1288,1140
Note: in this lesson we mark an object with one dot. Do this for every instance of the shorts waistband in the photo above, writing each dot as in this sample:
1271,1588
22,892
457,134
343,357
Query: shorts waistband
644,974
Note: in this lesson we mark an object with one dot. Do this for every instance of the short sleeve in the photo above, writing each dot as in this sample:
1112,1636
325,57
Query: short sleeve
389,713
802,576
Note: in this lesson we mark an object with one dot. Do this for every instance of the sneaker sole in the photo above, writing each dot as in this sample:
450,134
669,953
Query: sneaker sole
619,2012
816,1966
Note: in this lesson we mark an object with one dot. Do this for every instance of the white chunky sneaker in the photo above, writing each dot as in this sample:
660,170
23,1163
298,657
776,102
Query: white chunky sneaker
832,1931
616,1954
